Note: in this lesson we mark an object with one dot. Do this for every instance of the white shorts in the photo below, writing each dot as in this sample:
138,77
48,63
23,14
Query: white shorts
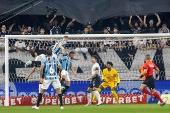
56,84
64,72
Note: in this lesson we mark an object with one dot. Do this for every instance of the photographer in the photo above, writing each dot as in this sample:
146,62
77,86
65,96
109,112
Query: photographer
56,28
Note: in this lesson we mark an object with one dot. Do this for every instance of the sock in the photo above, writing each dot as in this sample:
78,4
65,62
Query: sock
97,95
62,81
94,96
89,98
60,99
147,92
65,89
39,87
158,96
39,99
115,95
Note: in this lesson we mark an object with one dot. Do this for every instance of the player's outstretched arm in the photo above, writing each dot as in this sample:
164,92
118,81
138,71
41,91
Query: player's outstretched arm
30,73
95,73
72,69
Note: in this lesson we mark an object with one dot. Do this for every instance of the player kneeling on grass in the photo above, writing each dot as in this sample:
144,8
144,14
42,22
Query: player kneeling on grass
148,67
66,66
48,75
110,79
92,89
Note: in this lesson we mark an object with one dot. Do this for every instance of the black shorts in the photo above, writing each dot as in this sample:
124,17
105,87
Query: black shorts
95,82
149,81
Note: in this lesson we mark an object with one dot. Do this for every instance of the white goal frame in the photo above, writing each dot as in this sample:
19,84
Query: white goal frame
7,37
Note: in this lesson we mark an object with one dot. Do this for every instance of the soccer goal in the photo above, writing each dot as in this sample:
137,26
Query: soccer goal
125,51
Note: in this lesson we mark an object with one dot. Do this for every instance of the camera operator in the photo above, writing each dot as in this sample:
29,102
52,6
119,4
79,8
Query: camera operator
56,28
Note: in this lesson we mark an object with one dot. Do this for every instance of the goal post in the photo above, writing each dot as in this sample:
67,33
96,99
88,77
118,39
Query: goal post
87,38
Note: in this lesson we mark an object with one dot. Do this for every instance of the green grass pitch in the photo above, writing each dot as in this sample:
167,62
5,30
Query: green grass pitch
128,108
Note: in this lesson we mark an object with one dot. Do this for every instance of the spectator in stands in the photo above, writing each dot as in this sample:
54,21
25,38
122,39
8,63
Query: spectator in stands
168,43
150,45
136,28
12,48
86,30
101,47
30,47
93,48
130,49
106,30
159,45
89,26
80,47
56,28
2,45
151,28
42,31
4,32
116,30
164,29
29,30
40,49
25,31
69,28
141,43
20,45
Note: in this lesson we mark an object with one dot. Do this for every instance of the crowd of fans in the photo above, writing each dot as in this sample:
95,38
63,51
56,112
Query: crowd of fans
122,47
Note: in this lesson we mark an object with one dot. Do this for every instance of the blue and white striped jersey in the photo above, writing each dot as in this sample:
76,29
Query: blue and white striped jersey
66,63
50,68
56,50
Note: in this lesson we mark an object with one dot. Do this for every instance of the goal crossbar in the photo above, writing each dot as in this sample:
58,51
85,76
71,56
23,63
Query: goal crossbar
88,35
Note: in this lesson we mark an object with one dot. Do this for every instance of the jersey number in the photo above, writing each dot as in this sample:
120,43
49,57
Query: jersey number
51,70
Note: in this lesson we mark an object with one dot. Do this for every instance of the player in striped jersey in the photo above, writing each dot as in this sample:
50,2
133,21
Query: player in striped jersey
48,75
66,66
38,59
59,47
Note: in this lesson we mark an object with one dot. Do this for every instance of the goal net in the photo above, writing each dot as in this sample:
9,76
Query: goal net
125,51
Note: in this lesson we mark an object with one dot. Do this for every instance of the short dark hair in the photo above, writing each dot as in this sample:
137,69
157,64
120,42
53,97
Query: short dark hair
65,36
33,53
96,57
71,52
147,56
116,28
108,62
49,52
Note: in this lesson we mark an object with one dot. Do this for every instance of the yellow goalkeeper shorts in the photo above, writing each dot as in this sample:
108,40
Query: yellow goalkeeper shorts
109,84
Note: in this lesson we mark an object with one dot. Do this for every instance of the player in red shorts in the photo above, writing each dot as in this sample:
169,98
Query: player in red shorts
148,67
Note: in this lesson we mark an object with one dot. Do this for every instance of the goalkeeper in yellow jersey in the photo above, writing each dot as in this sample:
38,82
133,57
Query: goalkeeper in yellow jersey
110,79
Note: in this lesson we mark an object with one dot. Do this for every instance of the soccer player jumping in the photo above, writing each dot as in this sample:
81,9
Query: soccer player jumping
95,77
59,47
66,66
110,78
148,67
48,75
